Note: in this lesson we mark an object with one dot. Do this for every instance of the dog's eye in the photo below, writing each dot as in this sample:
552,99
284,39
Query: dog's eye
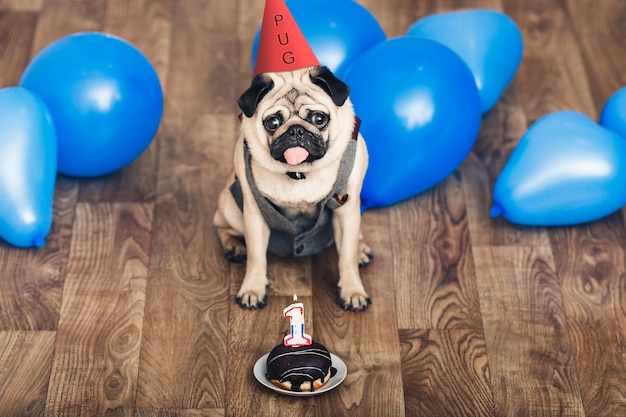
272,123
318,119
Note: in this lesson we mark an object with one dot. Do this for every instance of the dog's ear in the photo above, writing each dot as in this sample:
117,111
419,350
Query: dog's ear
250,99
333,86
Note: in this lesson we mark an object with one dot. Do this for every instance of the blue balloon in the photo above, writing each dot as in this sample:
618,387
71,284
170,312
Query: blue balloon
613,115
338,31
28,162
565,170
489,42
105,99
420,116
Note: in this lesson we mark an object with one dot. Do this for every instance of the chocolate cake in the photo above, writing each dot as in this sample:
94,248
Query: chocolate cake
301,368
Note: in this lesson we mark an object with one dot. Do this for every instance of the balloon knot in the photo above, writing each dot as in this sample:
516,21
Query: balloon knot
496,210
39,241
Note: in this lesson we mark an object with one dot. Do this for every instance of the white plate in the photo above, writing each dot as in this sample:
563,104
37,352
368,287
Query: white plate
260,370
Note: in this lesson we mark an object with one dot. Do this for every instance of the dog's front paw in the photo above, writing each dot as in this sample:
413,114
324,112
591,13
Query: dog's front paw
251,299
353,300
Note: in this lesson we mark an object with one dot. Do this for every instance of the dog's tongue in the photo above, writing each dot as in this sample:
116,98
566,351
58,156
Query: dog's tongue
295,155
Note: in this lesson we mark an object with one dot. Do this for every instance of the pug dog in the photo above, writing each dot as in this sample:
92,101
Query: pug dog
299,165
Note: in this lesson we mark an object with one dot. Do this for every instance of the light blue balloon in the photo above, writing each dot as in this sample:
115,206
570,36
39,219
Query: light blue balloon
420,116
489,42
28,162
613,115
565,170
104,96
338,31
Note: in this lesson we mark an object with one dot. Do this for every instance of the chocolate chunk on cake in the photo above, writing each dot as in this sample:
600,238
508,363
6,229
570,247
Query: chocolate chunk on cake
300,368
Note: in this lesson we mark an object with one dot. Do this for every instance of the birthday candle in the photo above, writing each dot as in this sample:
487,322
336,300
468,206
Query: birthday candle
295,313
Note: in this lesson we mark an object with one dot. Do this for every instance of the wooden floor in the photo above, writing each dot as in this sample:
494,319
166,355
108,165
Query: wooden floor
129,309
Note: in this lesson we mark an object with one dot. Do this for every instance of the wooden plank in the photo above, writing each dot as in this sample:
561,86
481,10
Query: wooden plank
24,371
552,73
445,373
204,56
183,360
148,412
593,271
373,385
96,357
32,279
600,32
17,30
21,5
501,129
395,16
433,269
147,25
453,5
589,258
76,17
526,335
601,26
590,262
191,286
249,17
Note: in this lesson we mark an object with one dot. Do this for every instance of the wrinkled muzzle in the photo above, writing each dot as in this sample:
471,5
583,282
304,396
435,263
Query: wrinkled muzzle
298,145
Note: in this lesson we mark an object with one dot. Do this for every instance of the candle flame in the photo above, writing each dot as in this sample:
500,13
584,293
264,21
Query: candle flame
295,298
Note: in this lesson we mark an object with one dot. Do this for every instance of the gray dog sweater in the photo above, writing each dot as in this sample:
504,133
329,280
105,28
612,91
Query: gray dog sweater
292,238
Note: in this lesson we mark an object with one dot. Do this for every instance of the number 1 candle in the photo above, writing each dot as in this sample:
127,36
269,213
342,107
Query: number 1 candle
295,313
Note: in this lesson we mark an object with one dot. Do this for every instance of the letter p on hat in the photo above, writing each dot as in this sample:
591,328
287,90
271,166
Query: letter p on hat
282,46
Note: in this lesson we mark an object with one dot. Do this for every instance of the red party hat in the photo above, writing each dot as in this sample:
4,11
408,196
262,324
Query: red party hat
282,46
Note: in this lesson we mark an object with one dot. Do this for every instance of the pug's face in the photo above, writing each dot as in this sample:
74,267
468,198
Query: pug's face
295,117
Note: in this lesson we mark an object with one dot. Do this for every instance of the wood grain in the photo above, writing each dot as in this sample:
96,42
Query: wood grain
148,412
591,263
552,70
21,5
374,378
205,52
531,362
446,373
31,283
186,316
249,17
16,38
99,337
76,16
437,264
25,359
501,130
601,38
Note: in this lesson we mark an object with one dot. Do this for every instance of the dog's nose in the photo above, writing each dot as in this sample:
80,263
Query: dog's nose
296,131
